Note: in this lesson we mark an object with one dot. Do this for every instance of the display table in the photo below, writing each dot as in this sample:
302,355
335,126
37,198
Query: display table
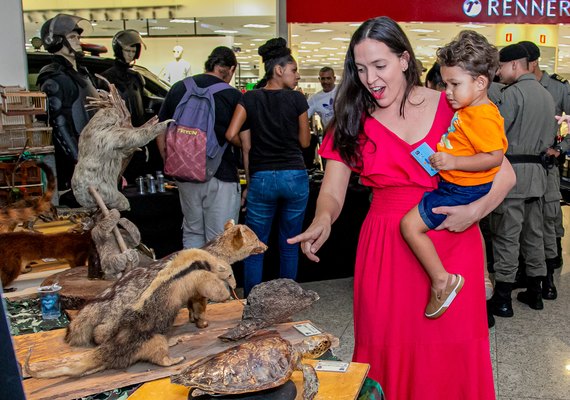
332,385
194,345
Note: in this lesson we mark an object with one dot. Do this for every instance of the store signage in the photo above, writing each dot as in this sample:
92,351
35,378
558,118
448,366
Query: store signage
483,11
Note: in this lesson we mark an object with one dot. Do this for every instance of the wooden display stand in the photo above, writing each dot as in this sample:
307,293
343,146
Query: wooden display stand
332,385
194,344
76,288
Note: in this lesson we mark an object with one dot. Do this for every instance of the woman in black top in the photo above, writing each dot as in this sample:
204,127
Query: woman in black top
276,128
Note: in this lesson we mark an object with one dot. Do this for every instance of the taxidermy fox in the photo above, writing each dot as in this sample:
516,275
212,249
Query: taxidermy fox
28,209
18,249
96,320
138,333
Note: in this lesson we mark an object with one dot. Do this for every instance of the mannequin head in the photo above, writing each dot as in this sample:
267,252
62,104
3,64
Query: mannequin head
127,45
177,52
61,35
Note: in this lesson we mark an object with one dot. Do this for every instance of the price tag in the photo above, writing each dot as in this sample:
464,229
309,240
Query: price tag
307,329
331,366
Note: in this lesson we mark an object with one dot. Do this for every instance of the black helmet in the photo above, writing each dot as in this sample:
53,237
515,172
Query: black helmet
55,29
127,38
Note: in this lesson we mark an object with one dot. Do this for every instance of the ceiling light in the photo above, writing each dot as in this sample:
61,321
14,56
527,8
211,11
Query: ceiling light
333,59
429,39
473,26
159,28
319,55
294,35
94,23
355,24
238,44
304,51
320,30
310,42
564,45
257,40
421,30
260,26
329,48
225,31
341,39
183,21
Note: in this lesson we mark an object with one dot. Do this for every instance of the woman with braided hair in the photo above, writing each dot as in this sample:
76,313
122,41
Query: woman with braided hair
274,127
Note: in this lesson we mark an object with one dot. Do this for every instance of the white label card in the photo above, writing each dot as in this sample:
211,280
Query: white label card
331,366
307,329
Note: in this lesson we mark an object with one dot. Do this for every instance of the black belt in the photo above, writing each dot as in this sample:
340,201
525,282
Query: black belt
546,161
523,158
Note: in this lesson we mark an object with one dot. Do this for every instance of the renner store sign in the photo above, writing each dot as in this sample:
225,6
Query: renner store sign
484,11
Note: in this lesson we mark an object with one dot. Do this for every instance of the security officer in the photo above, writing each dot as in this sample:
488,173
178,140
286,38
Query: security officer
559,89
67,85
127,47
527,109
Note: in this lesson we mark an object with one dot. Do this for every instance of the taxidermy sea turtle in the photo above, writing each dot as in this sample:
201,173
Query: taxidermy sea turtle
263,362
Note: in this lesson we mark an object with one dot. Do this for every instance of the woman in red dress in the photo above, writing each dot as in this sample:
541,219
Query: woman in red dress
382,113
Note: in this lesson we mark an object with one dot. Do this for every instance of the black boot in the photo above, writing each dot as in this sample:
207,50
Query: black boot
501,303
490,317
548,289
532,297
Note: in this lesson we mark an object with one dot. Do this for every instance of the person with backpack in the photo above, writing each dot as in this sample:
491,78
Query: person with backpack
276,129
196,152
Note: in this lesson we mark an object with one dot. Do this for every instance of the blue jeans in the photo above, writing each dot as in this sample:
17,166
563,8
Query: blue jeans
286,193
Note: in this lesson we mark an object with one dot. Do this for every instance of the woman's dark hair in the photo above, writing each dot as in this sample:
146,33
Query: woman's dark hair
353,101
274,52
222,56
433,76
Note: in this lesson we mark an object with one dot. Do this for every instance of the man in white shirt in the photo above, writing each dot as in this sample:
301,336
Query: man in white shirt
321,103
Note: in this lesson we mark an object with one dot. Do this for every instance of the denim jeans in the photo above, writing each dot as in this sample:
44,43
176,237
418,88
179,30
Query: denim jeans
285,193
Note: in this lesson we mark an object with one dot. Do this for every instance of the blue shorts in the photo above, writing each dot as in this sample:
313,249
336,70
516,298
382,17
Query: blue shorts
448,194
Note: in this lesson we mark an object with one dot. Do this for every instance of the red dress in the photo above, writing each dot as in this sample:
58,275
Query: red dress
411,356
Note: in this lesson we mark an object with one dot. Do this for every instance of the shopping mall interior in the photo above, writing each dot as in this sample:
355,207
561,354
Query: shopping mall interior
531,351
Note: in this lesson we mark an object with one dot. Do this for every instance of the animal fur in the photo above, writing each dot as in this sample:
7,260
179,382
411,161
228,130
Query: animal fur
113,262
138,333
105,142
234,244
94,322
18,249
28,209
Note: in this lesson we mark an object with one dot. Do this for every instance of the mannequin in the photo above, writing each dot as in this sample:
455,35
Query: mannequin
67,84
178,69
127,48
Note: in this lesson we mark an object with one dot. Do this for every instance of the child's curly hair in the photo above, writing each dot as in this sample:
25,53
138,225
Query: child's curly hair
472,52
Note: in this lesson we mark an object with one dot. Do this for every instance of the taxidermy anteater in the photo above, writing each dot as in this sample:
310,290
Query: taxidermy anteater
96,321
138,334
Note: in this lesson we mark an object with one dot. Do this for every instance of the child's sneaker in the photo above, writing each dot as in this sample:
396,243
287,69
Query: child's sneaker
440,301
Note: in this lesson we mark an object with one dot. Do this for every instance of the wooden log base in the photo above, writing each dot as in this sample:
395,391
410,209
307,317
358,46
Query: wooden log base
76,288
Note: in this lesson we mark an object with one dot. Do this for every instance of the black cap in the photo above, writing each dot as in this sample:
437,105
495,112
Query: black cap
512,52
532,50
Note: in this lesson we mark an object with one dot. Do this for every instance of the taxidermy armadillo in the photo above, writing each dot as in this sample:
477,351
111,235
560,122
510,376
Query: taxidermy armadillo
271,303
104,144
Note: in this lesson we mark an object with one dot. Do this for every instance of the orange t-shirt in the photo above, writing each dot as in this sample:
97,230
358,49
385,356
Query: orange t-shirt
473,130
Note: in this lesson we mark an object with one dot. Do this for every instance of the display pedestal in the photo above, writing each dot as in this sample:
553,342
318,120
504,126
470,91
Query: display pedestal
193,344
76,288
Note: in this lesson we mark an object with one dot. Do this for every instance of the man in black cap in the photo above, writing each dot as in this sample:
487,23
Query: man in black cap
528,110
67,84
559,89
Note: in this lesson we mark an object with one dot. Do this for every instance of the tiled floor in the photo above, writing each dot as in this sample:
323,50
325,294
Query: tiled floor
530,352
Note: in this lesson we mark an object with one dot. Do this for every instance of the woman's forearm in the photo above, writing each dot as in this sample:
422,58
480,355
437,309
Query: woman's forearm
504,181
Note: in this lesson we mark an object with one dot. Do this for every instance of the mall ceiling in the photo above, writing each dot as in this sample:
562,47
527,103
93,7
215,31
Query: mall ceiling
317,45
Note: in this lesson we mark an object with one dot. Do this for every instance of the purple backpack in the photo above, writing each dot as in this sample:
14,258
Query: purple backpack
193,152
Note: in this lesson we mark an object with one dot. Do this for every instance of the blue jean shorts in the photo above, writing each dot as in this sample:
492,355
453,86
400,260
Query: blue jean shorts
448,194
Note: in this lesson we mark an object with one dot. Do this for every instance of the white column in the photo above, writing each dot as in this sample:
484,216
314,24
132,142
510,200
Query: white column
14,67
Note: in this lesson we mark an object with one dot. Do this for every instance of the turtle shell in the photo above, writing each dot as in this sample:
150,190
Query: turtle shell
260,363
